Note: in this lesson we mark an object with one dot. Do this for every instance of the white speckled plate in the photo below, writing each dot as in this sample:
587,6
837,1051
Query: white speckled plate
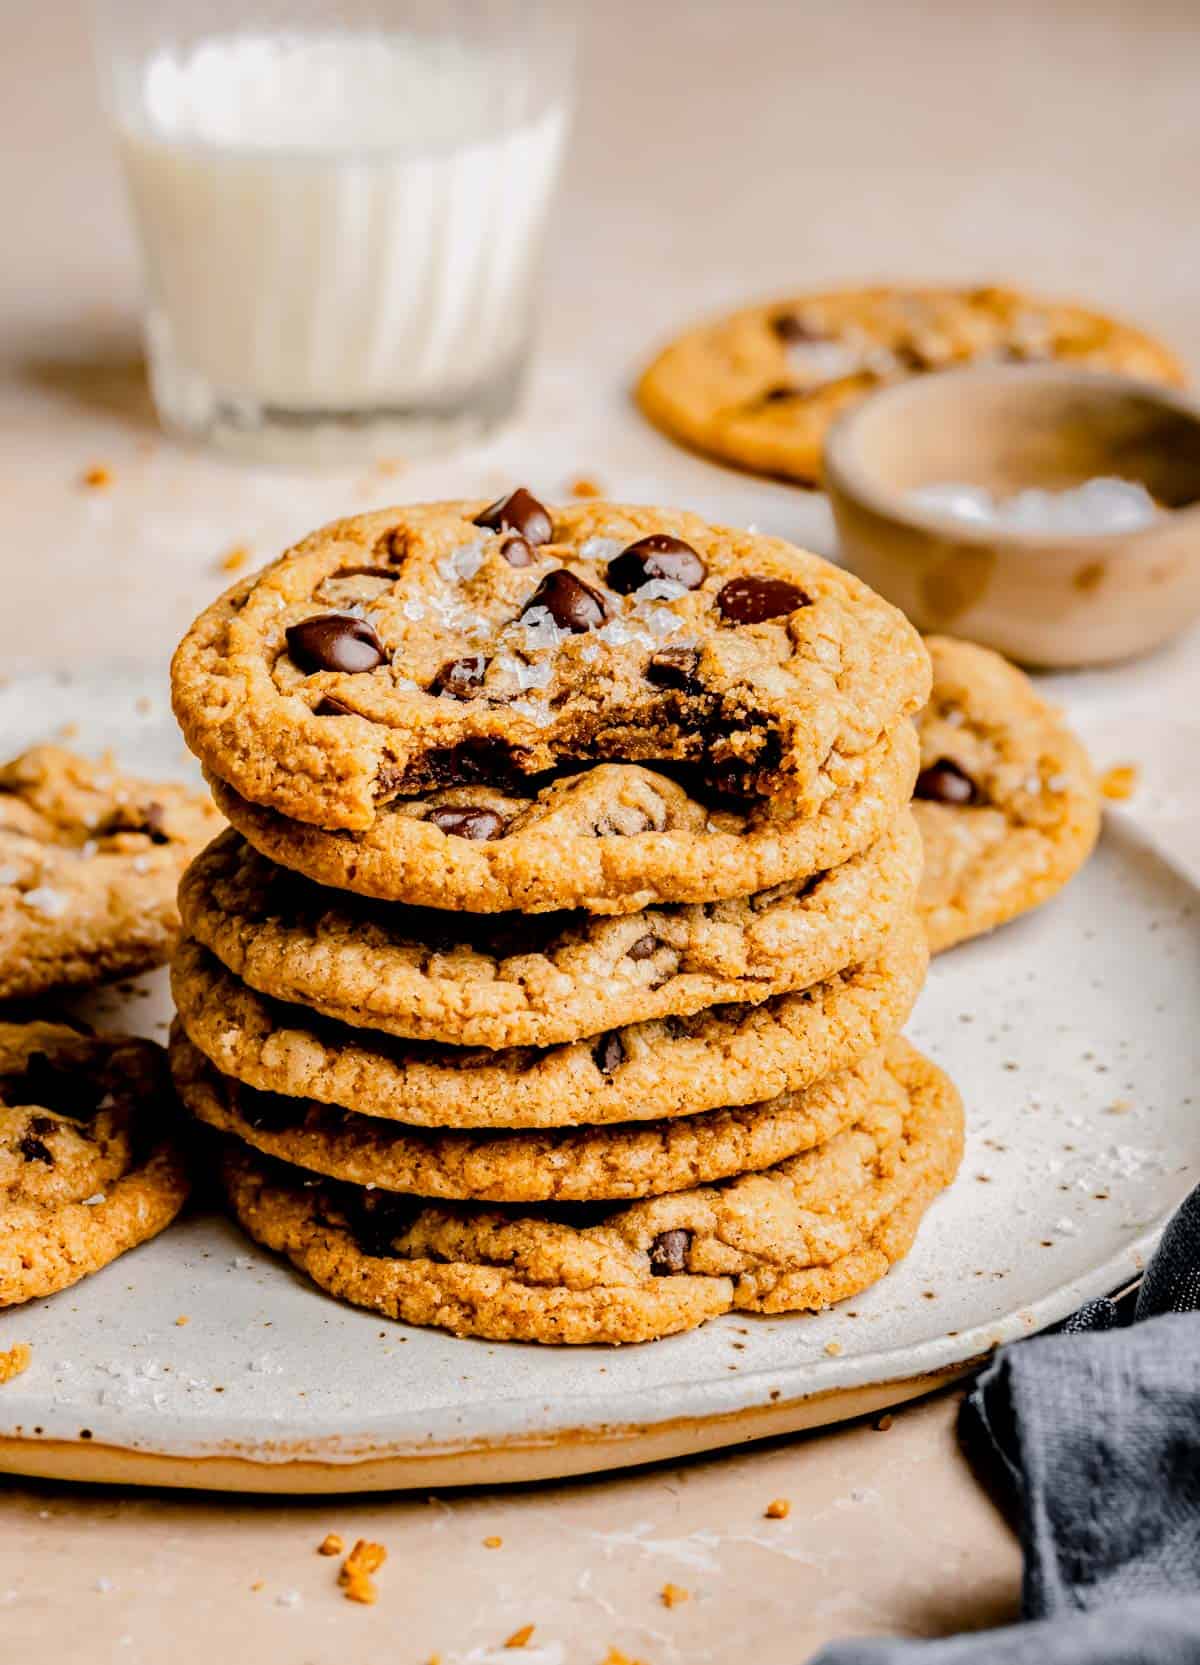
1072,1035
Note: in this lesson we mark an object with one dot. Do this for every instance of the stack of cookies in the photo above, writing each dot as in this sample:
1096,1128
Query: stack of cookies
548,983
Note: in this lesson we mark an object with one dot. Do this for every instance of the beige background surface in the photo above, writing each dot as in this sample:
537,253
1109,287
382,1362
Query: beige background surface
722,151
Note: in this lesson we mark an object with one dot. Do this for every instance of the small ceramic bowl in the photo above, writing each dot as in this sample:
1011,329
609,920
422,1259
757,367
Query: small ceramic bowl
1043,598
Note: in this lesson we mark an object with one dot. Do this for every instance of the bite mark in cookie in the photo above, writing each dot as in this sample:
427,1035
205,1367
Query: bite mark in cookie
451,655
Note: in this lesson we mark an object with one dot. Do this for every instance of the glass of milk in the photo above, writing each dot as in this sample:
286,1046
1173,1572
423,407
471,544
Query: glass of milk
341,208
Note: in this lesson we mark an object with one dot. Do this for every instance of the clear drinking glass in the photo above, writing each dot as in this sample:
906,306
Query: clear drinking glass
341,205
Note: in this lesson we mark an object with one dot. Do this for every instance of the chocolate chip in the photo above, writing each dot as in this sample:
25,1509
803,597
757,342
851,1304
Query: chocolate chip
657,556
780,394
518,552
643,947
33,1150
519,512
156,824
609,1051
335,642
468,822
675,668
572,604
668,1252
460,677
751,600
791,329
945,783
327,706
126,818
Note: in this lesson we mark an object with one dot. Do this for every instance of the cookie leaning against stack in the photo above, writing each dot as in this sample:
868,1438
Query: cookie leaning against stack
548,985
89,1163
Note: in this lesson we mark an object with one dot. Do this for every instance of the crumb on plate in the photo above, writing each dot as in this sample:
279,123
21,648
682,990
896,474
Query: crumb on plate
1120,781
15,1361
519,1638
672,1595
331,1544
355,1577
779,1508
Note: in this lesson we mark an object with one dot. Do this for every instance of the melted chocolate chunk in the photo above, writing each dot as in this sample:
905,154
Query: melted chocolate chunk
376,1221
609,1051
657,556
518,552
519,512
460,677
33,1150
668,1253
752,600
335,642
572,604
675,668
791,329
780,395
484,759
328,706
643,947
945,783
470,821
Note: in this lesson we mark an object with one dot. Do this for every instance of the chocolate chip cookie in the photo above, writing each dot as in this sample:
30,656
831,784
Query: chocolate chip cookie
514,980
573,1164
725,1055
89,1161
1007,801
450,644
805,1233
90,859
760,388
613,838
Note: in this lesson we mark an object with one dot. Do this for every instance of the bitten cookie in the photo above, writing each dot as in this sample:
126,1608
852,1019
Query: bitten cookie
90,860
1007,802
614,838
512,980
570,1164
805,1233
760,388
89,1161
726,1055
452,643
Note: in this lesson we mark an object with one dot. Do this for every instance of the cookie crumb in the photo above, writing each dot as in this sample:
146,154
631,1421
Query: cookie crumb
584,486
355,1577
519,1638
234,559
97,477
672,1594
68,731
331,1544
1120,781
182,1320
390,465
492,1543
15,1361
779,1508
884,1423
833,1348
1120,1106
614,1656
259,1584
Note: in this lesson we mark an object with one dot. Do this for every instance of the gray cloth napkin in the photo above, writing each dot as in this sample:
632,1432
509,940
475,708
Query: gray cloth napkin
1093,1435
